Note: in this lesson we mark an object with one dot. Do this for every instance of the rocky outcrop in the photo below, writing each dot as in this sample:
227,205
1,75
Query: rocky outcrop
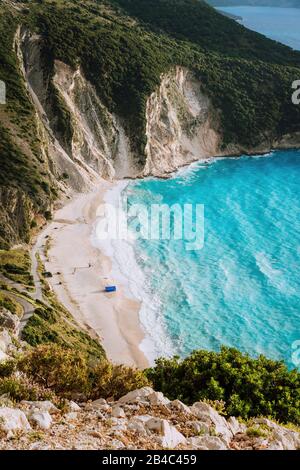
98,138
15,215
83,140
5,345
81,137
182,125
52,119
142,419
13,421
78,140
8,320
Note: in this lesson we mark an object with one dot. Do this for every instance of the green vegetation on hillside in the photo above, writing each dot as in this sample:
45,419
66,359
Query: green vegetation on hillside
242,386
125,60
55,325
24,179
199,23
249,387
16,265
51,323
55,371
123,47
10,304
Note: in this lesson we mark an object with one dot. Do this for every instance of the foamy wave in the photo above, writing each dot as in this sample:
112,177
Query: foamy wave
126,270
274,275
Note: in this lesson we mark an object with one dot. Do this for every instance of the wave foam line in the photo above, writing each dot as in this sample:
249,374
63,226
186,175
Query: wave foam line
126,270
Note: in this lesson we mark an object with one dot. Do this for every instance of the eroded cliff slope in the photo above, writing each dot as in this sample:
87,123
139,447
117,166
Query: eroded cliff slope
92,92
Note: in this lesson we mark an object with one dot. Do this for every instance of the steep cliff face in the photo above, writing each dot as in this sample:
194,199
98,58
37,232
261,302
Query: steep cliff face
81,138
181,124
15,215
78,139
85,141
55,139
98,138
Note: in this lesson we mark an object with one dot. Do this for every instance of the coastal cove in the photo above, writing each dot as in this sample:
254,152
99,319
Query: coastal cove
242,288
149,229
80,273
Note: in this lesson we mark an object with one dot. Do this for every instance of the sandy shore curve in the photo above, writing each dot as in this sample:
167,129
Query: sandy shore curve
81,271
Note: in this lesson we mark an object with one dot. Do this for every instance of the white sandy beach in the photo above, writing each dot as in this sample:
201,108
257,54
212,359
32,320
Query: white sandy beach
80,273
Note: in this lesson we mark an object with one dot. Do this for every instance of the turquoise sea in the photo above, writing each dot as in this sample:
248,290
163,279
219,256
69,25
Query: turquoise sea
280,24
242,289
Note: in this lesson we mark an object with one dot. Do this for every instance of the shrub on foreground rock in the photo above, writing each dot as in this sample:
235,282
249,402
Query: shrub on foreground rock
69,373
249,387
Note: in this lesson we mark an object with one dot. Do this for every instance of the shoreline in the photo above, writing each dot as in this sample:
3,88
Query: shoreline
81,267
80,272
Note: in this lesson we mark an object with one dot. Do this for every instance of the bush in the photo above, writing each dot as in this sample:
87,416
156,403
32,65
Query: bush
114,381
55,325
20,388
7,368
69,373
249,387
61,370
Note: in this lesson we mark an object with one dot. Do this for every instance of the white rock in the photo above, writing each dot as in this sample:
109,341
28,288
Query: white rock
39,446
178,405
137,426
199,427
118,424
235,426
208,442
100,404
116,444
100,401
170,436
206,413
12,420
3,356
275,445
290,440
143,418
157,398
261,443
41,406
136,395
131,408
194,443
72,416
5,340
41,419
73,407
117,412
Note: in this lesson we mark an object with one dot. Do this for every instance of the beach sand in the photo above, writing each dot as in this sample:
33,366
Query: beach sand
80,273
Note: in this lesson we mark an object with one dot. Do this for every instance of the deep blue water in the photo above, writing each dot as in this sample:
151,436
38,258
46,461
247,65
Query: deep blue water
242,289
280,24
